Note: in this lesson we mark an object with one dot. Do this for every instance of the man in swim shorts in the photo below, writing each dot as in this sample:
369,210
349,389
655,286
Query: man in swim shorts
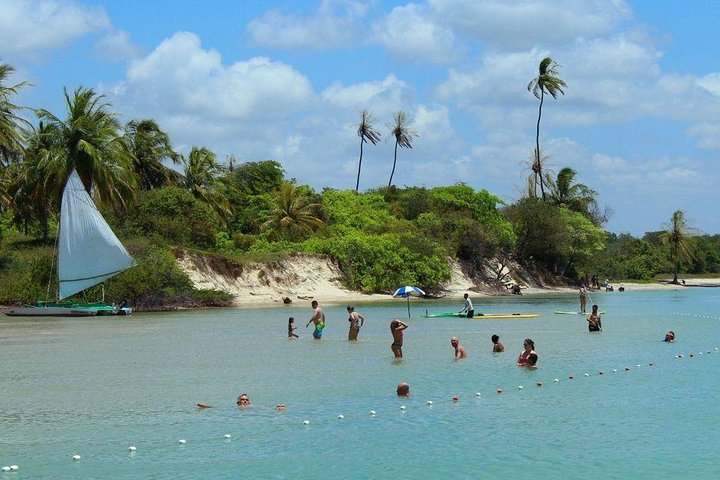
318,318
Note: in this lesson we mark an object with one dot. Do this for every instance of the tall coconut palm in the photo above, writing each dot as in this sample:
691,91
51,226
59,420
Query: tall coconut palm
367,133
403,135
150,146
293,215
90,140
548,82
13,127
677,238
201,172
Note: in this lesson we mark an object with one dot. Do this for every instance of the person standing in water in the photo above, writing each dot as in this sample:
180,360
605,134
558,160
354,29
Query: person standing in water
594,321
292,328
460,352
497,346
583,298
468,307
318,318
528,349
356,321
396,328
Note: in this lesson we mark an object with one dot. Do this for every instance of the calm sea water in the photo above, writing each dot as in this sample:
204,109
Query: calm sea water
95,387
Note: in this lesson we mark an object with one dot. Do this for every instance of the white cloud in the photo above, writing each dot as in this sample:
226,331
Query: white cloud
117,45
411,34
181,78
336,23
527,23
30,26
710,83
385,96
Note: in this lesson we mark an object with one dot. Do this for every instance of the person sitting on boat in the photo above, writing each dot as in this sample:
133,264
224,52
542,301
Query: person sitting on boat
594,320
669,336
468,307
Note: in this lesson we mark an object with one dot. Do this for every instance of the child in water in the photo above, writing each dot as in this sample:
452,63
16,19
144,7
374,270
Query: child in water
292,328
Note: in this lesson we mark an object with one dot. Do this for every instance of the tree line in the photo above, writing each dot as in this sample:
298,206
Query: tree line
158,201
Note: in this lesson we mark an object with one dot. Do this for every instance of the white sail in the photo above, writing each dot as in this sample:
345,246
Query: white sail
88,250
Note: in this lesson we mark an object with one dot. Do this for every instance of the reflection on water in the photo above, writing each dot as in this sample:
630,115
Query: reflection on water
97,386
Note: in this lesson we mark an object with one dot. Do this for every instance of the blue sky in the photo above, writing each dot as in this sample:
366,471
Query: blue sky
640,120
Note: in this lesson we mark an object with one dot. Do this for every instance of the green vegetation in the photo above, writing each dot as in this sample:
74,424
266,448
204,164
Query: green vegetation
381,238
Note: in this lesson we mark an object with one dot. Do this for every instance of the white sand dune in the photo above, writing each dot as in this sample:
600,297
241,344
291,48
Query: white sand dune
303,277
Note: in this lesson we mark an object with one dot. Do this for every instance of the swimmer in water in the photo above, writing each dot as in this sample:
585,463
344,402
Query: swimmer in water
396,328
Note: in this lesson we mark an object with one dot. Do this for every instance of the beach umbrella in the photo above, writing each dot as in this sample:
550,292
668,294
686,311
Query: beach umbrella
407,292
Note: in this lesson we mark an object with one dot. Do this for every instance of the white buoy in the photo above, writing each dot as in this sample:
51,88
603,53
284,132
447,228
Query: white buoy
76,457
402,407
181,441
478,394
306,422
340,417
228,436
699,353
638,365
587,374
614,370
429,402
372,412
557,380
132,449
520,387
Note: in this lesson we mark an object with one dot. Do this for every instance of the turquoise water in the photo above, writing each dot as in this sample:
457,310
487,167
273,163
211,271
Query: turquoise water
95,387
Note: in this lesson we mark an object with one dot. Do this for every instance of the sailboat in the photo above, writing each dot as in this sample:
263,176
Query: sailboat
88,254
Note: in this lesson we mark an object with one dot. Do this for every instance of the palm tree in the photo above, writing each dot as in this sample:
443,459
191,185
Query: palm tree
201,171
677,238
537,166
149,146
575,196
89,140
548,82
403,137
31,194
367,133
293,215
13,127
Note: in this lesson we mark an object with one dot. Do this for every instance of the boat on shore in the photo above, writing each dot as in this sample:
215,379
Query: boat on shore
88,254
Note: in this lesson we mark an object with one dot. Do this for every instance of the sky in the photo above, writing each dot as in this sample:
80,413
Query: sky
287,80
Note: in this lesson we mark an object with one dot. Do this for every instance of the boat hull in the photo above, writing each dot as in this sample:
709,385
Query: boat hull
67,309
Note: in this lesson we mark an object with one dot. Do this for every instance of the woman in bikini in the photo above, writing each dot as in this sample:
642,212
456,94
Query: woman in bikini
529,347
396,328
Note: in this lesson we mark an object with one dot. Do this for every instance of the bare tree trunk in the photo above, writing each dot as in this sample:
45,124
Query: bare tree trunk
394,162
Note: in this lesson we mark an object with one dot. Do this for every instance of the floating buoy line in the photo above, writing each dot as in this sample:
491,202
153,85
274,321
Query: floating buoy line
695,315
455,398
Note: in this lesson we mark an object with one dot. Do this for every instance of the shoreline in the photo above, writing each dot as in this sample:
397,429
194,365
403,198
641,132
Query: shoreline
341,296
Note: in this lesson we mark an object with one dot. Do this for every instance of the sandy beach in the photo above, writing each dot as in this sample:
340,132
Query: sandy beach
301,277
